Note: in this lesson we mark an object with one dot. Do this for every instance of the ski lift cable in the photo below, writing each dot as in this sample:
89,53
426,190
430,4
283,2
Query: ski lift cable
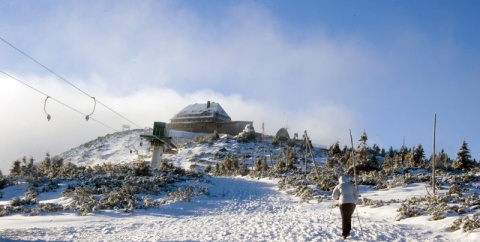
118,114
16,79
65,80
58,101
31,58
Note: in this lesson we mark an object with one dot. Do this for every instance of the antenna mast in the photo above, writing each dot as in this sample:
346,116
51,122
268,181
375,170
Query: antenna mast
433,161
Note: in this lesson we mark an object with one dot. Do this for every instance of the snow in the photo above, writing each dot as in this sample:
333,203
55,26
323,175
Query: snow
237,209
119,147
202,111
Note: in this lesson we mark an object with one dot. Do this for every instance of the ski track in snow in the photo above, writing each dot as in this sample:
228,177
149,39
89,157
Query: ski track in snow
238,209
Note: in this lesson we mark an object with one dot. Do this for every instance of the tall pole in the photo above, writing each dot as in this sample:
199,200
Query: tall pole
433,161
309,148
354,165
355,179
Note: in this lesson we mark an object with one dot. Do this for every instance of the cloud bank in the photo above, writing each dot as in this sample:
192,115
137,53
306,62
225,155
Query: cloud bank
149,59
30,134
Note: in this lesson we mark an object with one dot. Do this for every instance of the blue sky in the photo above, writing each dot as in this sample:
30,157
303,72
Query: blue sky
383,67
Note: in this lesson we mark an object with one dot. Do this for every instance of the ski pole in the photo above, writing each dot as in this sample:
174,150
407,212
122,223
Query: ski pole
361,229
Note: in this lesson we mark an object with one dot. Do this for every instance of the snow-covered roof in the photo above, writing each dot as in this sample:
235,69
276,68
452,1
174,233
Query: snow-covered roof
204,110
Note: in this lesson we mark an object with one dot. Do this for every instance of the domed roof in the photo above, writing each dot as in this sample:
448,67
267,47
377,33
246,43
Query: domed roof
282,134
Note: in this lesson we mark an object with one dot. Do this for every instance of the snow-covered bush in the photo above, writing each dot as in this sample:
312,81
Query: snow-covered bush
30,198
298,185
375,203
50,207
407,211
202,139
208,169
438,206
461,178
261,164
438,215
467,223
373,178
148,202
106,186
185,194
34,212
230,165
31,195
50,185
327,182
5,210
141,168
410,178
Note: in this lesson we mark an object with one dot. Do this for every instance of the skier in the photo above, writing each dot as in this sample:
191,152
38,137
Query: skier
347,194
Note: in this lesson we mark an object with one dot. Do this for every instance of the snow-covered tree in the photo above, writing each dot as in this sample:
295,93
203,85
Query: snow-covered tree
334,155
416,157
45,166
57,164
335,149
442,161
387,164
15,171
29,166
419,157
403,153
463,161
397,162
4,182
366,158
409,158
362,149
391,152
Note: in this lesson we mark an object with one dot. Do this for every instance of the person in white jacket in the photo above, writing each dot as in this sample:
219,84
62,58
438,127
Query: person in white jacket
347,194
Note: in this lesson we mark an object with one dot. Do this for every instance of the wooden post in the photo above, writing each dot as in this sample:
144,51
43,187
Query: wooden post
354,164
433,161
307,140
305,163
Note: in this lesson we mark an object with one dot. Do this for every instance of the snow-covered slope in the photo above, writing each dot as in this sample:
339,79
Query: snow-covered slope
236,208
116,148
127,146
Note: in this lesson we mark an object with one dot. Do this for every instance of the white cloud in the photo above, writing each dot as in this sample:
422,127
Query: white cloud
244,49
30,134
149,61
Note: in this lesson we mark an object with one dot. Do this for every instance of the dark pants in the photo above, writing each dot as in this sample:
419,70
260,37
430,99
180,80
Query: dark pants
347,210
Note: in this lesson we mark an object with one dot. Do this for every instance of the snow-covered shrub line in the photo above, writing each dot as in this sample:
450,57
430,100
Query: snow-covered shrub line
114,187
438,207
